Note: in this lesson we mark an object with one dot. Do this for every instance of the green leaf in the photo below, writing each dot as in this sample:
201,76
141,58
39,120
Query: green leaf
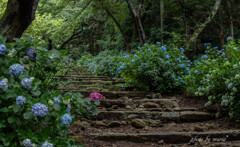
63,52
4,110
16,108
28,115
11,120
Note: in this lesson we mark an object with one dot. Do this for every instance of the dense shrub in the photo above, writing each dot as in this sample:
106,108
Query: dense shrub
216,75
152,67
32,113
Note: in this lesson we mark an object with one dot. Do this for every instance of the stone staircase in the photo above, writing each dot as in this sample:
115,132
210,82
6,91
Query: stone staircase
141,119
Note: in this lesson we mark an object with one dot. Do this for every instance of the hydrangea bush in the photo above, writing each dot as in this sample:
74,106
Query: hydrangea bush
151,67
32,113
216,76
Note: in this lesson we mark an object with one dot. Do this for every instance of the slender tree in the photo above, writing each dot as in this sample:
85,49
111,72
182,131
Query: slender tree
138,22
202,26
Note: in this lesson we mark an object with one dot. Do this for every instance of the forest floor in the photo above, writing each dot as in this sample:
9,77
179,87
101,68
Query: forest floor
133,118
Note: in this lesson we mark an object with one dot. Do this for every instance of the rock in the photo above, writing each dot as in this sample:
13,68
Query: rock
161,142
84,125
195,116
114,107
141,106
114,124
98,124
199,128
150,105
131,116
138,123
157,96
219,145
128,107
134,106
202,143
146,128
169,104
78,139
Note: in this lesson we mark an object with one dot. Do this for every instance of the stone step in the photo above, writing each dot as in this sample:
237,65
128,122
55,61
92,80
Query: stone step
112,94
139,125
169,137
142,103
79,78
94,82
181,116
84,77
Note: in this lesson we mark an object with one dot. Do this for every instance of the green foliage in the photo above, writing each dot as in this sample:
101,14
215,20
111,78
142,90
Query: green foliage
152,67
19,121
217,77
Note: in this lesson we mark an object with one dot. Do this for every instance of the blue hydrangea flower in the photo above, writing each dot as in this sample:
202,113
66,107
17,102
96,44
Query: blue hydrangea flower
138,47
179,60
182,50
163,49
124,54
207,44
120,63
196,72
47,144
206,52
16,69
213,51
167,57
149,50
229,38
108,64
158,42
222,50
66,119
20,100
118,69
26,82
196,61
167,62
3,85
27,143
161,59
182,57
69,107
204,57
181,66
143,53
39,109
56,100
31,52
121,67
135,55
145,44
187,69
216,47
3,49
133,60
173,76
229,86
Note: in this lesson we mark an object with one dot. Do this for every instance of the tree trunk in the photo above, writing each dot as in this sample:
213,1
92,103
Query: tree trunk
161,16
17,17
221,27
91,42
184,19
118,26
230,18
137,19
202,26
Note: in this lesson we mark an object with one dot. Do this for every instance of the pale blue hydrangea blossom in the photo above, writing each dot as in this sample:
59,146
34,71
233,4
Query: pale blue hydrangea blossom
20,100
16,69
39,109
66,119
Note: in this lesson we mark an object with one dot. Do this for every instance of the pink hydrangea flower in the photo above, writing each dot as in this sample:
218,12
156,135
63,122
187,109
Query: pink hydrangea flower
95,96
